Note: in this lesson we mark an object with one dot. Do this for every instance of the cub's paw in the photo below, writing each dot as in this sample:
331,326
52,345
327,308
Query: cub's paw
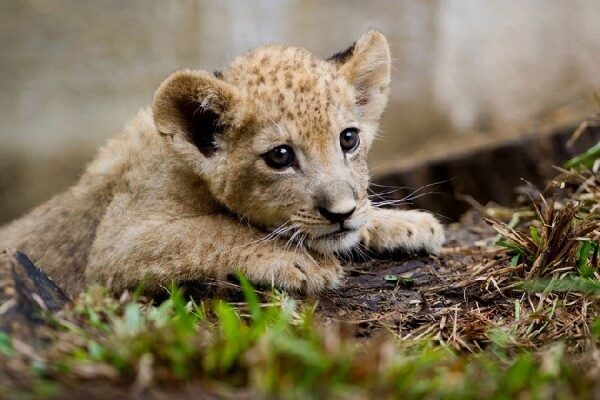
410,231
296,271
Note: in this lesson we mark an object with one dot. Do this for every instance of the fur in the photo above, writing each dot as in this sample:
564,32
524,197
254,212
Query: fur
184,192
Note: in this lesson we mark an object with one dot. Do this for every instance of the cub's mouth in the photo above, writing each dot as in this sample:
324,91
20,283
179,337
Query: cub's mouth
339,241
337,233
327,239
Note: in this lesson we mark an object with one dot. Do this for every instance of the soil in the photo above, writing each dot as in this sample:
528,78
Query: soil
404,293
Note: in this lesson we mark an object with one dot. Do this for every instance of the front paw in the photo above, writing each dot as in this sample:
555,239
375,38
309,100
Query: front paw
389,231
296,271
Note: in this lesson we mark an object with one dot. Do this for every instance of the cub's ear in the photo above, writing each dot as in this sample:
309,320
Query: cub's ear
366,65
196,106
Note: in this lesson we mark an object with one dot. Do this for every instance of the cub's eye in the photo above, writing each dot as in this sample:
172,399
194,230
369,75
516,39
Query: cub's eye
349,139
280,157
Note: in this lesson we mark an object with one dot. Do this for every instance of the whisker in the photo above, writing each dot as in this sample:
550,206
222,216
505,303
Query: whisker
411,188
362,253
299,243
414,194
390,187
390,203
273,235
381,194
420,195
291,239
311,258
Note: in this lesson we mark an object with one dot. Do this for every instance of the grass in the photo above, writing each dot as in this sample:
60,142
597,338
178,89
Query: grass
586,159
275,349
544,286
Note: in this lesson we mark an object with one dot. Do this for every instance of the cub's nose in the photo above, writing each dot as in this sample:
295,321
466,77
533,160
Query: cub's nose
336,201
336,217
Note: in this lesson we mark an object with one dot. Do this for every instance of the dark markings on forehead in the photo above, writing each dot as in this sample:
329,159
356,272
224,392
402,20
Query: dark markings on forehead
294,86
218,74
304,87
361,100
342,56
265,60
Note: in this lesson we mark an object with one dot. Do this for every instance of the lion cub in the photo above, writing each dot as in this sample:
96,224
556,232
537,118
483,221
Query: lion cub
260,169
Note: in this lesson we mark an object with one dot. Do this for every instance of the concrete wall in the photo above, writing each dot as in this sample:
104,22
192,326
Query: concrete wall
72,72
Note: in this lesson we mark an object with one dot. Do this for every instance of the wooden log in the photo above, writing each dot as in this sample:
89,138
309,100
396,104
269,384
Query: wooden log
33,293
487,174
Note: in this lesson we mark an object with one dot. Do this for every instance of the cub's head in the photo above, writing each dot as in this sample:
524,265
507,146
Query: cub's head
281,137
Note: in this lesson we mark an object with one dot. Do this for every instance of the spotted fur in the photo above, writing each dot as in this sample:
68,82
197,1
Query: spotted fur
184,193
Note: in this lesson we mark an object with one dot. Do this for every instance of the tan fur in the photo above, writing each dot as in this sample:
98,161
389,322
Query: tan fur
160,203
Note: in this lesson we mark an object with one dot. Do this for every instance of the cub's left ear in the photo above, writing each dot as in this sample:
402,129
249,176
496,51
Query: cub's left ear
366,65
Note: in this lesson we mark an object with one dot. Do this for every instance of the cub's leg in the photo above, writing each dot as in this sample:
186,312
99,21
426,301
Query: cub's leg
159,252
392,230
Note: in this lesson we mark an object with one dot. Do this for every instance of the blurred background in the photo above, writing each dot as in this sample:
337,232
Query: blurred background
465,72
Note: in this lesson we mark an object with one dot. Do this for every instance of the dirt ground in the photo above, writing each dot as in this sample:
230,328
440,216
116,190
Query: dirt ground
405,294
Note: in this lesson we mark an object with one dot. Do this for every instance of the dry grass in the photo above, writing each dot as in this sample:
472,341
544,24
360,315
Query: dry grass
543,284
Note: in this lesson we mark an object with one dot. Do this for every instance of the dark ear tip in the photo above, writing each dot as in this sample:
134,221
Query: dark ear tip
342,56
370,38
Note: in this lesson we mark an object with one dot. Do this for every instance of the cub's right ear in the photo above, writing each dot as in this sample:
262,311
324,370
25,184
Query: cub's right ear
198,107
